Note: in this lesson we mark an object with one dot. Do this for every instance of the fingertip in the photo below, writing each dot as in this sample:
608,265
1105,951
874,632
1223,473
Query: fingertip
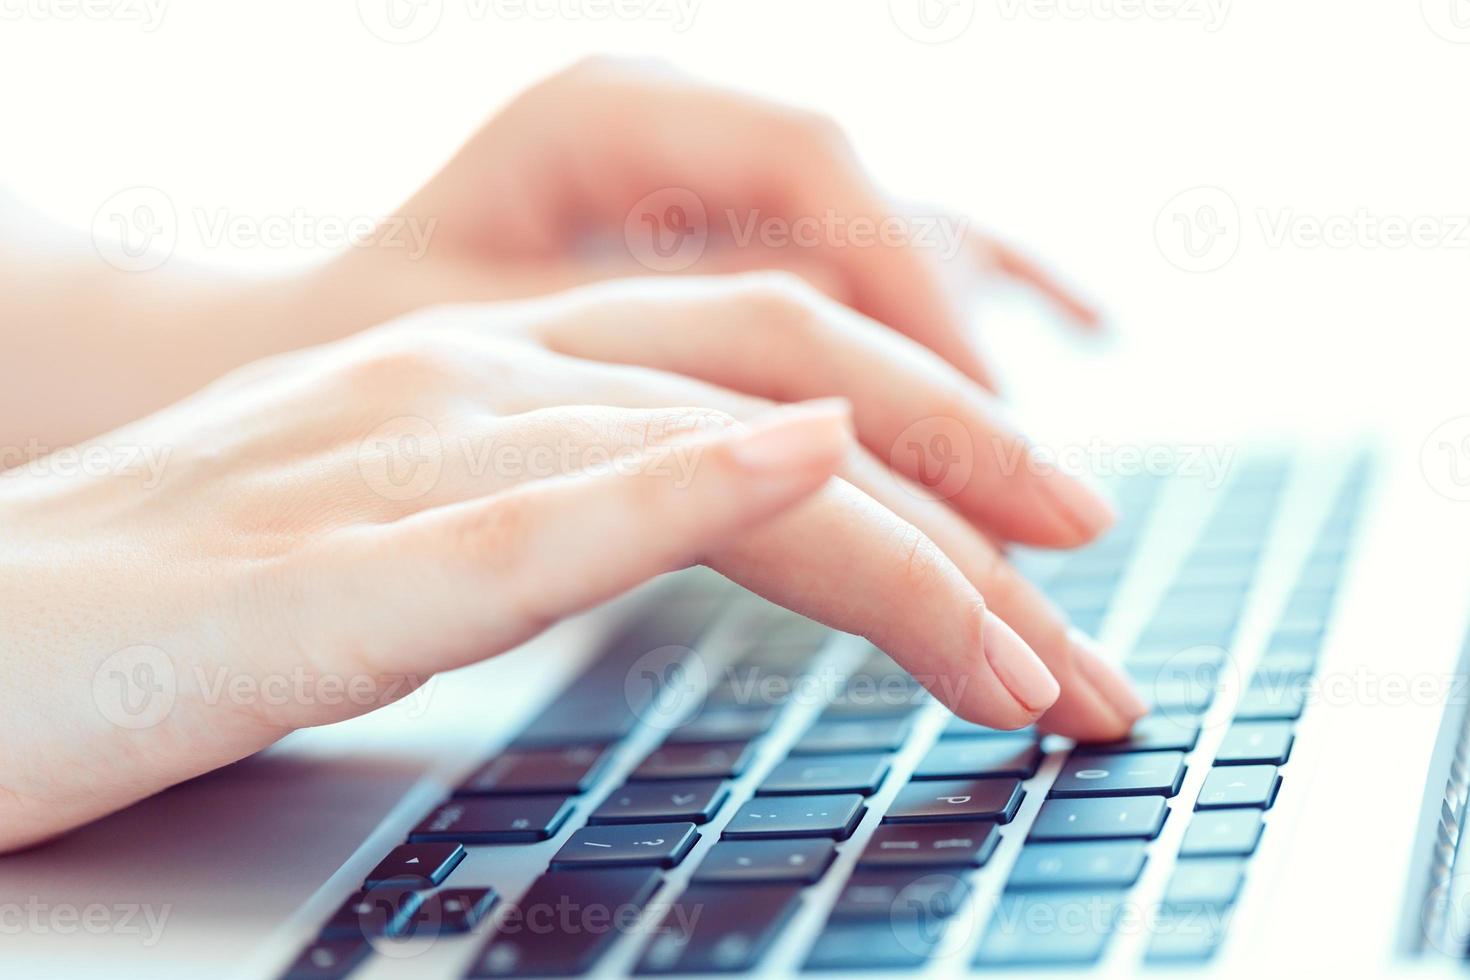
1018,667
815,434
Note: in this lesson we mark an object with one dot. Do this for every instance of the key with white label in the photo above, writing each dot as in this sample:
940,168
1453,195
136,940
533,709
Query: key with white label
659,845
832,816
956,799
1120,774
799,861
941,845
1101,818
1230,786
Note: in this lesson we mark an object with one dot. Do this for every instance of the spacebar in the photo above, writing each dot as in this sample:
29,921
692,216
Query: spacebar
566,920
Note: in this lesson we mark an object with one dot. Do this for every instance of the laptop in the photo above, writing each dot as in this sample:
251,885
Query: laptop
692,781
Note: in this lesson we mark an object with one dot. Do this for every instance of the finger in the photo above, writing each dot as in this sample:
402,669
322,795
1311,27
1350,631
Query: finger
897,278
850,564
1082,710
992,254
766,336
490,572
1096,702
846,561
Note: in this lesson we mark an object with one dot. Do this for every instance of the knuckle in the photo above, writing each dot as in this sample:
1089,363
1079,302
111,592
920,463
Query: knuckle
667,426
496,538
920,564
391,362
781,300
812,130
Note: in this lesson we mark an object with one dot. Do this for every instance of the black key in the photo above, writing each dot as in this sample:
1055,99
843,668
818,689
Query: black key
1102,818
719,928
374,912
1222,833
565,922
861,773
1247,742
970,757
851,947
571,769
877,896
957,799
728,723
659,845
834,816
1230,786
1049,928
418,865
838,737
675,801
1205,881
800,861
960,728
328,959
1120,774
1156,733
455,910
709,760
931,845
494,820
1109,864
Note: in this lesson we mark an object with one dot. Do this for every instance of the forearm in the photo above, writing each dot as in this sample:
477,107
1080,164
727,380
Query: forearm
88,347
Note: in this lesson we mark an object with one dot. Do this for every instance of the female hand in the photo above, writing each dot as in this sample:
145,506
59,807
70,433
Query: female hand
677,175
316,508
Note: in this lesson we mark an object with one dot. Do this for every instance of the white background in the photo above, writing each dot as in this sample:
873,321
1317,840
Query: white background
1068,126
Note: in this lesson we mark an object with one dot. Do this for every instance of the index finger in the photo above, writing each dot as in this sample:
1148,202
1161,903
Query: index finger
843,559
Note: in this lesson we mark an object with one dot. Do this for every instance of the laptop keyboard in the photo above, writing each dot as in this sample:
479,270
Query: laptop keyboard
671,833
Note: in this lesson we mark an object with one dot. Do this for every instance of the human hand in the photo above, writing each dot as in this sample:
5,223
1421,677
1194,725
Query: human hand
588,156
317,508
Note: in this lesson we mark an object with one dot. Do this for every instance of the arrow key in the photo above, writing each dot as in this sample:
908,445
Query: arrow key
1228,786
419,865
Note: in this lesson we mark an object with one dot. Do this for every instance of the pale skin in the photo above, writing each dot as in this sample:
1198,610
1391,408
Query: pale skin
754,415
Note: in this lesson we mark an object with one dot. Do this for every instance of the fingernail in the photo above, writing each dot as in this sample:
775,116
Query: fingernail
794,436
1018,666
1109,681
1082,501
